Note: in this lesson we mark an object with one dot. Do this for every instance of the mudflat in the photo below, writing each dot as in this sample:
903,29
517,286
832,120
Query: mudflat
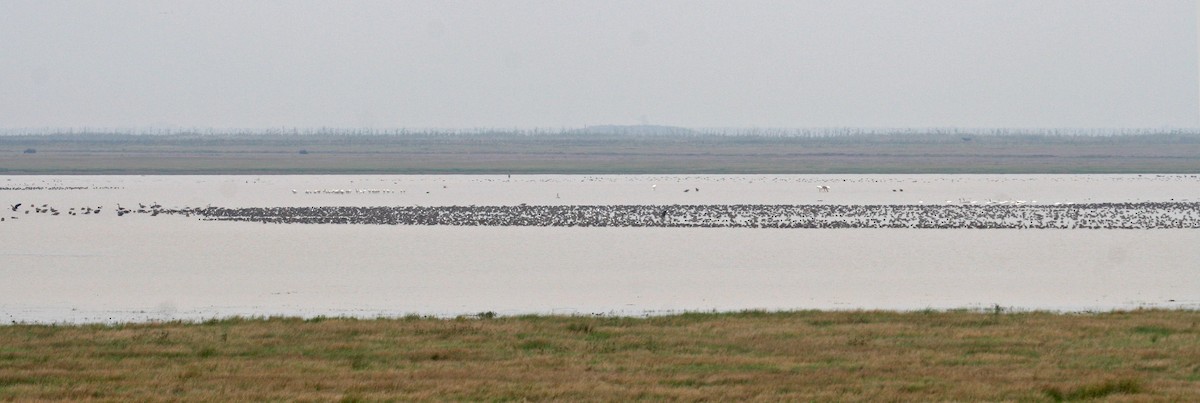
92,248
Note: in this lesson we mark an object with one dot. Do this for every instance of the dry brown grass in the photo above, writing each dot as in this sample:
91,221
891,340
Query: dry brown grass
1140,355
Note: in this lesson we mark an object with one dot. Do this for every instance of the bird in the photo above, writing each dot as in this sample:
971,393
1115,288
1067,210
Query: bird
16,206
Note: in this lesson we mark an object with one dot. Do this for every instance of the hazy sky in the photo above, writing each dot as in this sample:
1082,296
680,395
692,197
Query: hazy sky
875,63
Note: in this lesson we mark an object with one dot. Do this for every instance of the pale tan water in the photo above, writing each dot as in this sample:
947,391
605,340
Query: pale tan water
104,268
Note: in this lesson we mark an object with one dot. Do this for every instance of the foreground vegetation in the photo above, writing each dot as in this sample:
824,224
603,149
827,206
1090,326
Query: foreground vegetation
960,355
650,150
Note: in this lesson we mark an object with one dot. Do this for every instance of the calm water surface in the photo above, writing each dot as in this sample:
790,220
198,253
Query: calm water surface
101,268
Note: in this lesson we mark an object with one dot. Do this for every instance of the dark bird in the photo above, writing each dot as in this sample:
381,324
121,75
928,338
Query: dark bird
16,206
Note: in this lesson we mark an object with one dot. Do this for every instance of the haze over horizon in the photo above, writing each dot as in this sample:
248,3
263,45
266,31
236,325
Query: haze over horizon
429,64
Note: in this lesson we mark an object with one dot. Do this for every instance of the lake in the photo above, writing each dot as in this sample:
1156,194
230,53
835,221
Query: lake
99,267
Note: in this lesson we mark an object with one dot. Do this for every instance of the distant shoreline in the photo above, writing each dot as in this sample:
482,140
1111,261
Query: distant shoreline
574,153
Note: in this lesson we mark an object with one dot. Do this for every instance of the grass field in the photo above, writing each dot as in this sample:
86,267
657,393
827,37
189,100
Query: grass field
877,356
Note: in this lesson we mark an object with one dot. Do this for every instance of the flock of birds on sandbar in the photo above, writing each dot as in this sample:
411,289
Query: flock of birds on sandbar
24,209
1135,215
45,188
346,191
962,213
1149,215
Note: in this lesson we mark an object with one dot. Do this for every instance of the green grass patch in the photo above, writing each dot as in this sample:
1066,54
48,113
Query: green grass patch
1095,391
756,355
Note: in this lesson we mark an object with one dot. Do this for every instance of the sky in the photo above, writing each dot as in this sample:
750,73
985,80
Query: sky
546,64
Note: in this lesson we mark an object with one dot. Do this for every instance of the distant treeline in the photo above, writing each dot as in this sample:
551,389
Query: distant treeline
595,135
599,149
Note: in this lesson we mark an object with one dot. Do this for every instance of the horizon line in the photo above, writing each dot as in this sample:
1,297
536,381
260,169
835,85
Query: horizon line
563,129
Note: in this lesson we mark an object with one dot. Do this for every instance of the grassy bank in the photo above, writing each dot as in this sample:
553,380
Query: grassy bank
750,355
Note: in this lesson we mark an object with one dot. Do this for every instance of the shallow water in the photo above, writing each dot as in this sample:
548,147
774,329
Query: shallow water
101,268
